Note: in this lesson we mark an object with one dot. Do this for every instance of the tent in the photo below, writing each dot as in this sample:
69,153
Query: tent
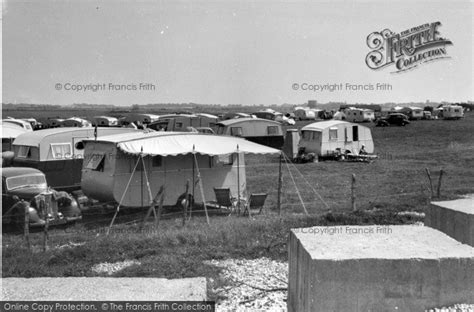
130,169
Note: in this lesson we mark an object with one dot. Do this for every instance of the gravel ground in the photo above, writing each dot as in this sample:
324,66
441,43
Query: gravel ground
111,268
455,308
255,285
261,285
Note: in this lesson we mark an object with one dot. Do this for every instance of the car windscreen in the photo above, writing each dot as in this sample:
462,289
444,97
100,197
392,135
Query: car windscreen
37,180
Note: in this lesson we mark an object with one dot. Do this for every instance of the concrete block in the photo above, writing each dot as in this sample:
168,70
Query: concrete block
454,217
377,268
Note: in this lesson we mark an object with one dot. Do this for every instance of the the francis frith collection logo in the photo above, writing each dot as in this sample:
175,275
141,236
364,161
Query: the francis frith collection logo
407,49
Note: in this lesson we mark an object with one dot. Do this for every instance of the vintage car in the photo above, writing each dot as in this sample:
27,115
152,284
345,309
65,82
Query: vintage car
398,119
25,189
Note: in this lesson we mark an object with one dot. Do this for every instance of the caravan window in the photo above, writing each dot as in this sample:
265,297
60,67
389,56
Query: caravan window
272,130
236,131
178,125
61,150
96,162
224,159
23,151
157,161
138,162
333,133
306,135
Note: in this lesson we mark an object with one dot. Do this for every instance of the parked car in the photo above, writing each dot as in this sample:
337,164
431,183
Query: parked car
205,130
25,189
393,119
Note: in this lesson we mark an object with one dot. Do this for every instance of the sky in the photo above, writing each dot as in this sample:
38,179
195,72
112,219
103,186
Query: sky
216,52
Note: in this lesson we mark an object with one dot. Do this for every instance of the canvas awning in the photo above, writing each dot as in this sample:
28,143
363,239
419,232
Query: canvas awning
172,144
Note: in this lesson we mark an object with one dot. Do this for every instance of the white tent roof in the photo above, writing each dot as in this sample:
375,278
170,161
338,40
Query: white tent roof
180,143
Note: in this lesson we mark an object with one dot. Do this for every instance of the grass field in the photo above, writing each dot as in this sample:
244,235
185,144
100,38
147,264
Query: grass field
395,182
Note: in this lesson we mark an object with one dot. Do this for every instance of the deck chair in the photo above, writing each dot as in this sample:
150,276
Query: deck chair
224,198
256,201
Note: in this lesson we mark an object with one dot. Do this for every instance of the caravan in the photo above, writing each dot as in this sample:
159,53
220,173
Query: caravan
453,112
130,169
415,113
353,114
104,121
326,138
75,122
261,131
182,122
302,113
138,119
57,152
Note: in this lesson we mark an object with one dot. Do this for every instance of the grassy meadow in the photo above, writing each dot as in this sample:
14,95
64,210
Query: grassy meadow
395,182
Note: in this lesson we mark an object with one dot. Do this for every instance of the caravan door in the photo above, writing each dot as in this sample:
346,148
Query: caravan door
76,160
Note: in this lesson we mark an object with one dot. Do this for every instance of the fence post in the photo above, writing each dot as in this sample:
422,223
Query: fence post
439,183
26,226
46,235
353,194
431,182
279,186
45,208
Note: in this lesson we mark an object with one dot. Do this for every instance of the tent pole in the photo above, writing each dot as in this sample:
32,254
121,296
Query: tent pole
141,178
186,203
141,186
202,189
279,186
150,195
238,179
194,183
121,199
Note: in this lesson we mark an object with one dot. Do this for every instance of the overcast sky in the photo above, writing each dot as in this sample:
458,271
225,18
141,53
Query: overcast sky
246,52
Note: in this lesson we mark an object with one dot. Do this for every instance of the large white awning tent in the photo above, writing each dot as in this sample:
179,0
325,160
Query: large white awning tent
181,143
162,143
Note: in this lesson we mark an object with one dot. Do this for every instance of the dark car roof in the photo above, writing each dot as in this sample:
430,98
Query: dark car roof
17,171
397,114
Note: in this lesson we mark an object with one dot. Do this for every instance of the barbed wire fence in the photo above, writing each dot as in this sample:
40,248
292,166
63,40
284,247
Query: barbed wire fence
397,188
